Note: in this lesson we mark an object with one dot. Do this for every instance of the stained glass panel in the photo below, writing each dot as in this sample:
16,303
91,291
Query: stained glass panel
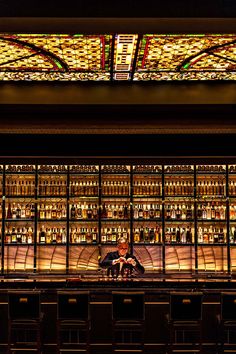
80,57
55,57
186,57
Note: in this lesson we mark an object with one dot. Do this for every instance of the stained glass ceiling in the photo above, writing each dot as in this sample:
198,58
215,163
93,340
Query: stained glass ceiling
120,57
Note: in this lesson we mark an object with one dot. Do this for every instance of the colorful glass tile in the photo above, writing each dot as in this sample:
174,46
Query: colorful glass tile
55,57
186,57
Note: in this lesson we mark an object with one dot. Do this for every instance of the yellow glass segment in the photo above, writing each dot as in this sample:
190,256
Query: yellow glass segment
167,53
83,53
211,62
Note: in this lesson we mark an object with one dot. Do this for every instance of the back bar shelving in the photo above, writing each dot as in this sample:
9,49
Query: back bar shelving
62,218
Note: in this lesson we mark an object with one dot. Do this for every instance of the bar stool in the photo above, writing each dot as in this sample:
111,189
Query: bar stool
128,322
185,322
24,322
228,322
73,325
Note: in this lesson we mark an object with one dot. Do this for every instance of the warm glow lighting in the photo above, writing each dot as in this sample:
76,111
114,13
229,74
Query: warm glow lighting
81,57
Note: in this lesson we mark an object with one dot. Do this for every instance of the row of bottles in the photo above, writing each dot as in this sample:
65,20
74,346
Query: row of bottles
20,186
211,211
115,211
147,234
50,234
147,168
57,210
83,235
211,187
147,211
112,234
83,211
52,211
115,187
179,211
53,185
20,210
147,187
179,187
83,187
179,235
211,234
19,234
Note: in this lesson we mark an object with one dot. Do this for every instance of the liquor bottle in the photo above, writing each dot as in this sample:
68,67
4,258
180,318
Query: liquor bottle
199,211
54,235
178,235
140,212
23,211
59,211
157,212
168,212
9,211
18,211
213,211
204,212
104,235
30,235
141,234
89,212
18,235
189,214
183,238
42,235
157,234
200,235
178,213
95,211
104,211
23,235
54,212
152,235
135,211
188,235
94,235
13,235
136,236
173,212
208,211
27,211
13,211
151,212
184,212
79,212
126,211
32,211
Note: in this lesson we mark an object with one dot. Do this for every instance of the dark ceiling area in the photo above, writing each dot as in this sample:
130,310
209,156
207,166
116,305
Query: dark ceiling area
112,120
122,8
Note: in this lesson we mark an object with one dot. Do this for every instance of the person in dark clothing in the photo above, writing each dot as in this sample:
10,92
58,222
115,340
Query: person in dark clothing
121,262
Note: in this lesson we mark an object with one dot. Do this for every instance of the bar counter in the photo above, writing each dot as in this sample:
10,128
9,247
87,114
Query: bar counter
139,315
161,282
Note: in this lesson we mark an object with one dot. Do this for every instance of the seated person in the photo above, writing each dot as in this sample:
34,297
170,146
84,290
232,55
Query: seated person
121,262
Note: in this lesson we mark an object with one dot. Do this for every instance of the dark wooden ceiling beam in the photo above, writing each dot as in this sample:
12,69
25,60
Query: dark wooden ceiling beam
96,25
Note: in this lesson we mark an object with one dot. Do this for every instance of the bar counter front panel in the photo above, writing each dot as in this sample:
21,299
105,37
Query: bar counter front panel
62,219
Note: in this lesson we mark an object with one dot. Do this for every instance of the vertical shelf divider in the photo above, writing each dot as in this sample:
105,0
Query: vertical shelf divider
163,221
67,219
36,193
195,220
227,220
99,212
3,216
131,210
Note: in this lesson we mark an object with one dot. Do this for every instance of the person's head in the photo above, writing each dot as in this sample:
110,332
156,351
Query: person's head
122,246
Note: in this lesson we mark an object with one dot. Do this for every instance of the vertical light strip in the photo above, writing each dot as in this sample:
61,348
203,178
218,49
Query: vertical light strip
125,46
